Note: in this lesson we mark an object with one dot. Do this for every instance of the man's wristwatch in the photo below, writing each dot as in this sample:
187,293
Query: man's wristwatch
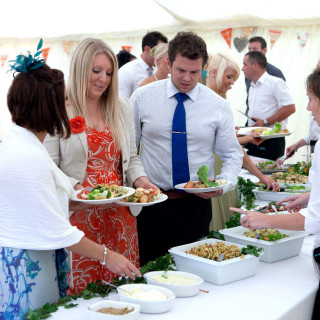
266,123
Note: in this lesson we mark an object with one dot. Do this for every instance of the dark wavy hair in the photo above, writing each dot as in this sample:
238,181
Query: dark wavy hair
124,57
36,101
313,82
152,38
189,45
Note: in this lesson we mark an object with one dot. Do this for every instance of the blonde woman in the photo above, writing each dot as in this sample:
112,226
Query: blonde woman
222,71
101,149
160,54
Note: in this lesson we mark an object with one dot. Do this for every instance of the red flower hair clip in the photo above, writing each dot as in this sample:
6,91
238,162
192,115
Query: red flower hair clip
78,125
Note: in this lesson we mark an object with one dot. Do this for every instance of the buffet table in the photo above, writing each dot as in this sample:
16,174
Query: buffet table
283,290
280,290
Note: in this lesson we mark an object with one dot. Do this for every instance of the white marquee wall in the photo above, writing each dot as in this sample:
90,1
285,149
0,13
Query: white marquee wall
295,61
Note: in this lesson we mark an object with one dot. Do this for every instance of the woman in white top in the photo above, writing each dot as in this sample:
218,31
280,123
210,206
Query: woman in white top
35,197
300,219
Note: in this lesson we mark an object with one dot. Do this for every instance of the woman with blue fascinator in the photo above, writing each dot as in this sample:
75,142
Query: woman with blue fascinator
35,196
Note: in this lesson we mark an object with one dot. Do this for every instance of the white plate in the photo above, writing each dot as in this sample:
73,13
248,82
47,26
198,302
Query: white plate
162,197
102,201
180,186
247,132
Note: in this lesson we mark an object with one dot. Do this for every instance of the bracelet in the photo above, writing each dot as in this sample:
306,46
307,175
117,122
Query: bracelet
104,255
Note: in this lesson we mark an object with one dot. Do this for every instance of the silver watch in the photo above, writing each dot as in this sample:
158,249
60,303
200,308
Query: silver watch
266,123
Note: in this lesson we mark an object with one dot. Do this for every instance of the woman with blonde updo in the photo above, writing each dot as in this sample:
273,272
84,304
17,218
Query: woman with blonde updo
222,71
160,54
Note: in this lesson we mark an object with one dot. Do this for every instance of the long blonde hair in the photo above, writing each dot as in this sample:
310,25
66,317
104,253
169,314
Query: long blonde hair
220,62
78,84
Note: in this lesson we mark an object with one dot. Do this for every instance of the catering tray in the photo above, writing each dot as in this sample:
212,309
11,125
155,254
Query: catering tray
275,196
212,271
273,250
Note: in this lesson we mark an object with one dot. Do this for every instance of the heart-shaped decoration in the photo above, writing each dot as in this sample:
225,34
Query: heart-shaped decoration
240,43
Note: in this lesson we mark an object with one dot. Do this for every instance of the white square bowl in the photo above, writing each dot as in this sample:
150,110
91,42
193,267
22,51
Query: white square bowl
147,306
212,271
180,290
271,196
273,250
94,315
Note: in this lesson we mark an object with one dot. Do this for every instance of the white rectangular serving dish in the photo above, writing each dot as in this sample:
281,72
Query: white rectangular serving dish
272,196
212,271
273,250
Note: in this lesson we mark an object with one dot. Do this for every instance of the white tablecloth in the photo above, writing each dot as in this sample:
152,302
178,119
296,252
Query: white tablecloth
280,290
283,290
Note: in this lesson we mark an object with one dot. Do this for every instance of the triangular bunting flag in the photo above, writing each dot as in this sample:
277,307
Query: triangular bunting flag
126,48
45,53
227,35
67,46
246,31
4,58
274,36
303,38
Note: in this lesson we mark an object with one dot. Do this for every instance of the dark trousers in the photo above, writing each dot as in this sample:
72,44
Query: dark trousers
316,307
270,149
172,223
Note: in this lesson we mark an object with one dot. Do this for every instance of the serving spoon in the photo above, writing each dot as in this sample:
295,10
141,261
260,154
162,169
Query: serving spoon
112,285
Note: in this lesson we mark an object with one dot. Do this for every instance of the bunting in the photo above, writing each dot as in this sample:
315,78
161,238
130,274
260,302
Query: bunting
4,58
227,35
126,48
45,53
67,47
303,38
245,31
274,36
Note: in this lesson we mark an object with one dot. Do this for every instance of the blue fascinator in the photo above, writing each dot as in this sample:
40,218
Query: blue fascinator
28,63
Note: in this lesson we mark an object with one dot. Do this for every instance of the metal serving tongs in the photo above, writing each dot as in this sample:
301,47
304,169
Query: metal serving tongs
282,159
112,285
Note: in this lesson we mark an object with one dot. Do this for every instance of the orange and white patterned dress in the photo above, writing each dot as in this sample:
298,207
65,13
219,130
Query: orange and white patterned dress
114,227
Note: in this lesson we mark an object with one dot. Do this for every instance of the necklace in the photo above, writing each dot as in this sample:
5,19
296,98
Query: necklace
155,77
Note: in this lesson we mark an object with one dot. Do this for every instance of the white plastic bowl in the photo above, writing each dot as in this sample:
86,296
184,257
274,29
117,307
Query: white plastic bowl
212,271
180,290
94,315
273,250
148,306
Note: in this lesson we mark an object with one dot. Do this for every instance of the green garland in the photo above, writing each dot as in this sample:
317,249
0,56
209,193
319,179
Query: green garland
248,197
98,289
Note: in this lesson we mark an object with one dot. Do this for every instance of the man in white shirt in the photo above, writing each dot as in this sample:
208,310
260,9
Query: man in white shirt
134,72
269,102
183,218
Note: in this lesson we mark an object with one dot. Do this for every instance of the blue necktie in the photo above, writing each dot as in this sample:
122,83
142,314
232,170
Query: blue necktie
180,166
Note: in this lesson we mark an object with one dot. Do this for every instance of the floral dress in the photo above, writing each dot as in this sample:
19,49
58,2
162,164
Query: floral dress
115,227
